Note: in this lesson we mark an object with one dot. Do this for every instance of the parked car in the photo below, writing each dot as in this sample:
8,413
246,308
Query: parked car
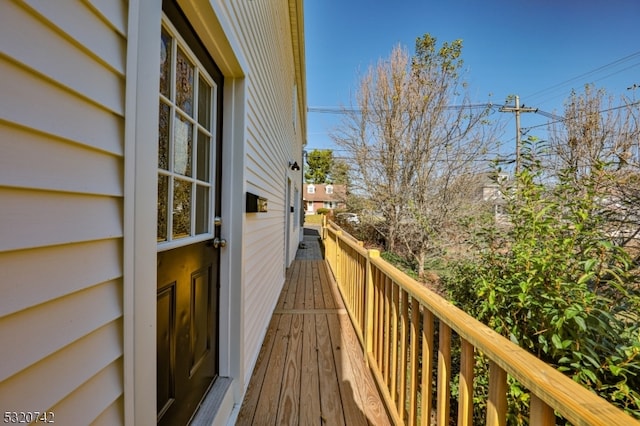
351,218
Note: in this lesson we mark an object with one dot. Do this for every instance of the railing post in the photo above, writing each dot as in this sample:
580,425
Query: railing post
324,227
369,305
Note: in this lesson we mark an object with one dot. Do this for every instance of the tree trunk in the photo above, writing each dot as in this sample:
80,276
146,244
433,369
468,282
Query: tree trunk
420,259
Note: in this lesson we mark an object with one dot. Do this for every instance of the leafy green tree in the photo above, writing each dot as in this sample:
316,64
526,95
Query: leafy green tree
415,153
340,172
319,166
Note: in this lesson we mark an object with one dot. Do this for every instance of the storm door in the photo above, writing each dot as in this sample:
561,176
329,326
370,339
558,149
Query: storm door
187,225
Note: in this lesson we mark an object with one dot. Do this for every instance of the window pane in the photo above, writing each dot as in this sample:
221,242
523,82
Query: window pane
181,209
184,83
165,64
163,137
204,104
202,209
163,196
204,157
182,146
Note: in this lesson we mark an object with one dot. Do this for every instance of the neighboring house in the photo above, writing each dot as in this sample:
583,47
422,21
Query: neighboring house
134,284
321,195
491,191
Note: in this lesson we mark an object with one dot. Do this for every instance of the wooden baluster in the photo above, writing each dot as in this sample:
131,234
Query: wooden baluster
402,385
444,374
337,259
427,366
395,312
380,314
465,400
387,329
497,402
363,283
370,303
413,362
540,414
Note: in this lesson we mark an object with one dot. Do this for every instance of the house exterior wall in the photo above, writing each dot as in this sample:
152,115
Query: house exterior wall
61,228
77,185
267,43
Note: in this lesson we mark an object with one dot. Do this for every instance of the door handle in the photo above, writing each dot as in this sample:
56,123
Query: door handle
217,242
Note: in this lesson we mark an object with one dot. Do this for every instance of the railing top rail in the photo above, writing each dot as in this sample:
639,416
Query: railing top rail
576,403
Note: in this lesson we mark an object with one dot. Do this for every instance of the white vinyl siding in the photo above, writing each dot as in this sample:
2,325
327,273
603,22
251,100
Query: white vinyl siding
77,263
61,223
271,142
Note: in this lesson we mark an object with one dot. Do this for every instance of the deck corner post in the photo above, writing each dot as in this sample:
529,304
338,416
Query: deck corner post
324,227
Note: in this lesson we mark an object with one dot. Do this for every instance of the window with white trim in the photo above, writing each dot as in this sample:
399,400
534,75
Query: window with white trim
311,189
329,189
330,204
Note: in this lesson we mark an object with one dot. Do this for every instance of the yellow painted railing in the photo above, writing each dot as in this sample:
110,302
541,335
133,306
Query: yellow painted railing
396,318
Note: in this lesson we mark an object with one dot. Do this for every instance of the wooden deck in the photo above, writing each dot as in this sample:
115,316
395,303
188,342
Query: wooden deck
311,370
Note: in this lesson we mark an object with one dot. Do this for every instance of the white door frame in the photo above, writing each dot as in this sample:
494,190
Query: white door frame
140,198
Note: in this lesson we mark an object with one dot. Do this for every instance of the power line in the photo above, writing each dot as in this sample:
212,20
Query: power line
344,110
563,119
589,73
596,80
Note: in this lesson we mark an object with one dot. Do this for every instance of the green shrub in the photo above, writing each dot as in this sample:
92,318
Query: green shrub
556,285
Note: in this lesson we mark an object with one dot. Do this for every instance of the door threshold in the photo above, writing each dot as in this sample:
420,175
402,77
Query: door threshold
212,407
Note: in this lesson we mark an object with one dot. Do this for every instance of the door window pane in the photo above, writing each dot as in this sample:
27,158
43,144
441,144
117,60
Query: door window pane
182,146
181,208
165,64
184,83
204,104
163,196
202,209
204,156
163,136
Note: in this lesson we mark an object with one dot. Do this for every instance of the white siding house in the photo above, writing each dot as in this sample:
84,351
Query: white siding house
131,132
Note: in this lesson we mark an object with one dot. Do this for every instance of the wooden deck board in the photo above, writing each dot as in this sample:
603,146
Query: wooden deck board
351,401
330,402
290,391
254,389
268,400
357,372
311,370
310,412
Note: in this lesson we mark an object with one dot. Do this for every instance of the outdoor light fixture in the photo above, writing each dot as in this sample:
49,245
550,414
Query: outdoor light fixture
294,166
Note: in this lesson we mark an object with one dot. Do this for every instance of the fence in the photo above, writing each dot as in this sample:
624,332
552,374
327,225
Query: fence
407,332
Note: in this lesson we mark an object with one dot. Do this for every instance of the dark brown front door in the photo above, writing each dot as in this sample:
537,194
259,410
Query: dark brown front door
189,170
187,330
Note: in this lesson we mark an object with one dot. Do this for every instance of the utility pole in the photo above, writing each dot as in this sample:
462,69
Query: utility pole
517,109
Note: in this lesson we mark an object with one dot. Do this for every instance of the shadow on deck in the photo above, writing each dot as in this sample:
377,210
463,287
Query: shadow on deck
311,369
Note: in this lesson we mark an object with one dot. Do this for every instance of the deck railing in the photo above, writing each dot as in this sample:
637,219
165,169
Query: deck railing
396,317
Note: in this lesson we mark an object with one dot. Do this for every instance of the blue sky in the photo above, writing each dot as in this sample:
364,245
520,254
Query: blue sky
537,49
